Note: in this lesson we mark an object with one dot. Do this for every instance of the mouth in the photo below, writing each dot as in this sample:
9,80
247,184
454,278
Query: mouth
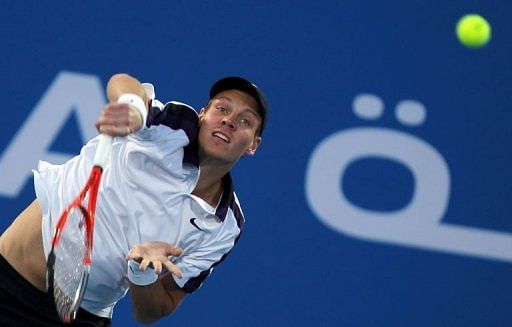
221,136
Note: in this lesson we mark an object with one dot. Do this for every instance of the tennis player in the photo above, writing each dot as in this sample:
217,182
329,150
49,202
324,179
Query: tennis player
167,213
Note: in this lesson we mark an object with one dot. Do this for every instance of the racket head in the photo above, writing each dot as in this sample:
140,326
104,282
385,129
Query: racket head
68,263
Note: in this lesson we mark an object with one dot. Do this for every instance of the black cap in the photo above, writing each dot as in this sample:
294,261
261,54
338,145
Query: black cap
238,83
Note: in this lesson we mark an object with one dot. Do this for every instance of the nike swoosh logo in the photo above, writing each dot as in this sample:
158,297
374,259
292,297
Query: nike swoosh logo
193,222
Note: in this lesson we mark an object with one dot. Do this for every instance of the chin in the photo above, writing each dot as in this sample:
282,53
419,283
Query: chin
215,156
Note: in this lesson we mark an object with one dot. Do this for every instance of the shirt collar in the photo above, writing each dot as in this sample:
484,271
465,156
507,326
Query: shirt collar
226,198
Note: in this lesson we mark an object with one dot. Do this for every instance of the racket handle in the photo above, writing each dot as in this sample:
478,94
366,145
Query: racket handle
103,151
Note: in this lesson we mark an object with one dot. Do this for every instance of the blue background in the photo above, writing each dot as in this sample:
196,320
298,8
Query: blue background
311,58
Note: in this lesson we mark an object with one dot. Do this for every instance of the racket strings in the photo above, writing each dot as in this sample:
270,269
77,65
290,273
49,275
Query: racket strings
71,249
70,268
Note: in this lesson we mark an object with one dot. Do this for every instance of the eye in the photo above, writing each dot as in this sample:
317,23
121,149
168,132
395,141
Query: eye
245,121
221,109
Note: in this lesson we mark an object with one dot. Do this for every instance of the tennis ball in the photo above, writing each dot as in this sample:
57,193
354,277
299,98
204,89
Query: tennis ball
473,31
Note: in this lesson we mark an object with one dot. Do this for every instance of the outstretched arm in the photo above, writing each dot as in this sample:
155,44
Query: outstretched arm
159,298
118,118
123,83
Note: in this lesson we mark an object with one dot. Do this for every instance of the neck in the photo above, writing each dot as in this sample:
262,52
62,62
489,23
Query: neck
209,187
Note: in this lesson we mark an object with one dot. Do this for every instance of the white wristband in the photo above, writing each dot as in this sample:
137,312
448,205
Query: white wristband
138,103
139,277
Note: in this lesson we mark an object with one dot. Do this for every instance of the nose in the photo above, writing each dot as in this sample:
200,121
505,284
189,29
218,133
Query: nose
228,122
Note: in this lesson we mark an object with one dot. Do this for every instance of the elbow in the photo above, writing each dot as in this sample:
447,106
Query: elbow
145,319
124,83
120,77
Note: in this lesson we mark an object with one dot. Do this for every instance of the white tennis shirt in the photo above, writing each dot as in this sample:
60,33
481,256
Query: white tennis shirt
145,195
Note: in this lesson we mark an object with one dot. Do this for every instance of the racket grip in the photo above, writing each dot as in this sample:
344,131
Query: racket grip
103,150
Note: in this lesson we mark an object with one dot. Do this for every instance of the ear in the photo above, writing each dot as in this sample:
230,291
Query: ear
202,113
254,146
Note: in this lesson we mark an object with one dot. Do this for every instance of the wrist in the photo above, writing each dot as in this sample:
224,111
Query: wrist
137,102
140,277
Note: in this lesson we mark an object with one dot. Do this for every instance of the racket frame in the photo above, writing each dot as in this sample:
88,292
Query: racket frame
90,190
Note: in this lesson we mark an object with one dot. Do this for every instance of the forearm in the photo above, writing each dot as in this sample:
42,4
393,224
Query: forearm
157,300
123,83
127,110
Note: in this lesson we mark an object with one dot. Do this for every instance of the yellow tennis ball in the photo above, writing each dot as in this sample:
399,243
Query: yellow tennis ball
473,31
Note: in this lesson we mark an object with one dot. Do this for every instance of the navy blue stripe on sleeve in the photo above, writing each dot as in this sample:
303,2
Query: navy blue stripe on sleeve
194,283
177,115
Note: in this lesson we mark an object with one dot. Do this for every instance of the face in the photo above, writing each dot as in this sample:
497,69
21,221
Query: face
229,127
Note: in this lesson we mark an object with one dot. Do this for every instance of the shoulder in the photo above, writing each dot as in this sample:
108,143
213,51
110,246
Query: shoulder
175,115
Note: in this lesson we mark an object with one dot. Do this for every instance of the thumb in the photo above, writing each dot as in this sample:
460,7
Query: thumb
172,250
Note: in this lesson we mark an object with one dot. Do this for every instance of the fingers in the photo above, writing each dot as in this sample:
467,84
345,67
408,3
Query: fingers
119,119
155,255
153,249
157,266
173,269
134,254
144,264
114,130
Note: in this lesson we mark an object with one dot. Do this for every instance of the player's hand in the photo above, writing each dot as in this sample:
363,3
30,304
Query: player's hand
119,119
155,255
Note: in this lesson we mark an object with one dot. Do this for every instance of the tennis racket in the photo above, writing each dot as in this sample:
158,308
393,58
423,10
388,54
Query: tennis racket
69,260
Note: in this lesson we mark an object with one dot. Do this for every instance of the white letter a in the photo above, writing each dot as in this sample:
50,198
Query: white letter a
68,92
